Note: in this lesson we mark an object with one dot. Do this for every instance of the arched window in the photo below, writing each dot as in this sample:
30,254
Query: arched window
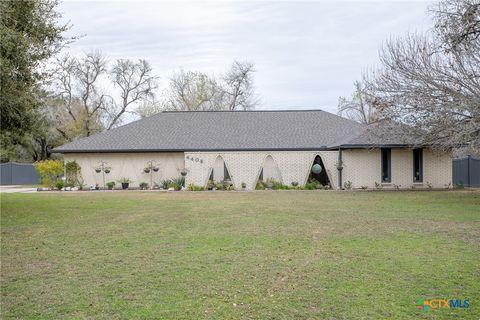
318,172
220,171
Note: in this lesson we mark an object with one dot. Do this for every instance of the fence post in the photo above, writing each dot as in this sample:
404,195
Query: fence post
468,170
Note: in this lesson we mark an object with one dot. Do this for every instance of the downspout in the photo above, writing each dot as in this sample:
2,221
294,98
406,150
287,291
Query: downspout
340,168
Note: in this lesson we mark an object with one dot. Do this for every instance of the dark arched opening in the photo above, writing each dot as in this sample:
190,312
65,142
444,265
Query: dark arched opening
321,176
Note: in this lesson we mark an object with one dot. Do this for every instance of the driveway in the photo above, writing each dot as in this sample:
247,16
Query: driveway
17,189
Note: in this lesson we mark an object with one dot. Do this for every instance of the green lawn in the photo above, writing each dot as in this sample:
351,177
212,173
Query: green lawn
234,255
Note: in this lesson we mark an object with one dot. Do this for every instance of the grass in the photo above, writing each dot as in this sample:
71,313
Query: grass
233,255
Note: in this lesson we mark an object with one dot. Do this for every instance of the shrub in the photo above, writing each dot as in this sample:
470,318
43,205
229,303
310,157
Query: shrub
310,186
175,186
220,185
180,181
59,184
111,185
192,187
49,171
347,185
210,184
364,187
143,186
73,174
165,183
294,183
259,186
378,186
274,184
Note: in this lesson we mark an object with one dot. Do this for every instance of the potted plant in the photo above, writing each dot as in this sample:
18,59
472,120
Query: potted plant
125,182
111,185
155,169
146,170
98,170
107,170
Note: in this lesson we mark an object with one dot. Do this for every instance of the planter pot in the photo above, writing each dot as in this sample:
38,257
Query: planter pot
107,171
98,170
125,186
155,169
146,170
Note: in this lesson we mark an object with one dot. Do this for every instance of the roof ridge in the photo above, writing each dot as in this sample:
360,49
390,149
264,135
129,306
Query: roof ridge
240,111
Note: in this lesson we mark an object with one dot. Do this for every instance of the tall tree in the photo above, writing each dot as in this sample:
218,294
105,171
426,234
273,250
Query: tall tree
80,85
31,34
193,91
431,82
239,88
359,107
197,91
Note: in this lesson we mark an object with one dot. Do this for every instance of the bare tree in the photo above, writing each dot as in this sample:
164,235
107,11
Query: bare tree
239,87
197,91
193,91
431,85
136,83
457,24
359,107
80,85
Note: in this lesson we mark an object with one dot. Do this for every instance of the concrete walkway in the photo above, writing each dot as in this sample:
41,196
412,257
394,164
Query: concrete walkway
17,189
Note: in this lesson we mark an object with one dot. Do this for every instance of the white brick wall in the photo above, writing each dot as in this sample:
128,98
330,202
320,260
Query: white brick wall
246,166
129,165
362,167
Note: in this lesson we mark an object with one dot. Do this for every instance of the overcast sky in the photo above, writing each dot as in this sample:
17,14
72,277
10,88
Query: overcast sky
307,54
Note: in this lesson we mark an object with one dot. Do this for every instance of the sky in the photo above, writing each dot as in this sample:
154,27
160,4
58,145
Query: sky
306,54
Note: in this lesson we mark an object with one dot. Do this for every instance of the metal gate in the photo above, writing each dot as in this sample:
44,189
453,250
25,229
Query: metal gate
466,171
12,173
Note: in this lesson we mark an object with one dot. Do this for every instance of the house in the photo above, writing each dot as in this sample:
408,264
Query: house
246,146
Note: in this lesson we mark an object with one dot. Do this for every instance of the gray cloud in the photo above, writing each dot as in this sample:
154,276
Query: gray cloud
307,53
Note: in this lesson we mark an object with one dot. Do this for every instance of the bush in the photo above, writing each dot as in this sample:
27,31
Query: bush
175,186
111,185
274,184
180,181
294,183
73,174
310,186
259,186
59,184
164,184
143,186
220,185
49,172
192,187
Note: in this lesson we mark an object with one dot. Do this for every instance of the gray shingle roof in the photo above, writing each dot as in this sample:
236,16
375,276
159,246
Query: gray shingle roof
223,130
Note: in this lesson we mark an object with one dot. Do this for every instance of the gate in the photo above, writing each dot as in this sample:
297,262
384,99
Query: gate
12,173
466,171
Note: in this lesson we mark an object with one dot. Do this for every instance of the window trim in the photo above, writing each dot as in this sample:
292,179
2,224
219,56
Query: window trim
418,151
388,153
